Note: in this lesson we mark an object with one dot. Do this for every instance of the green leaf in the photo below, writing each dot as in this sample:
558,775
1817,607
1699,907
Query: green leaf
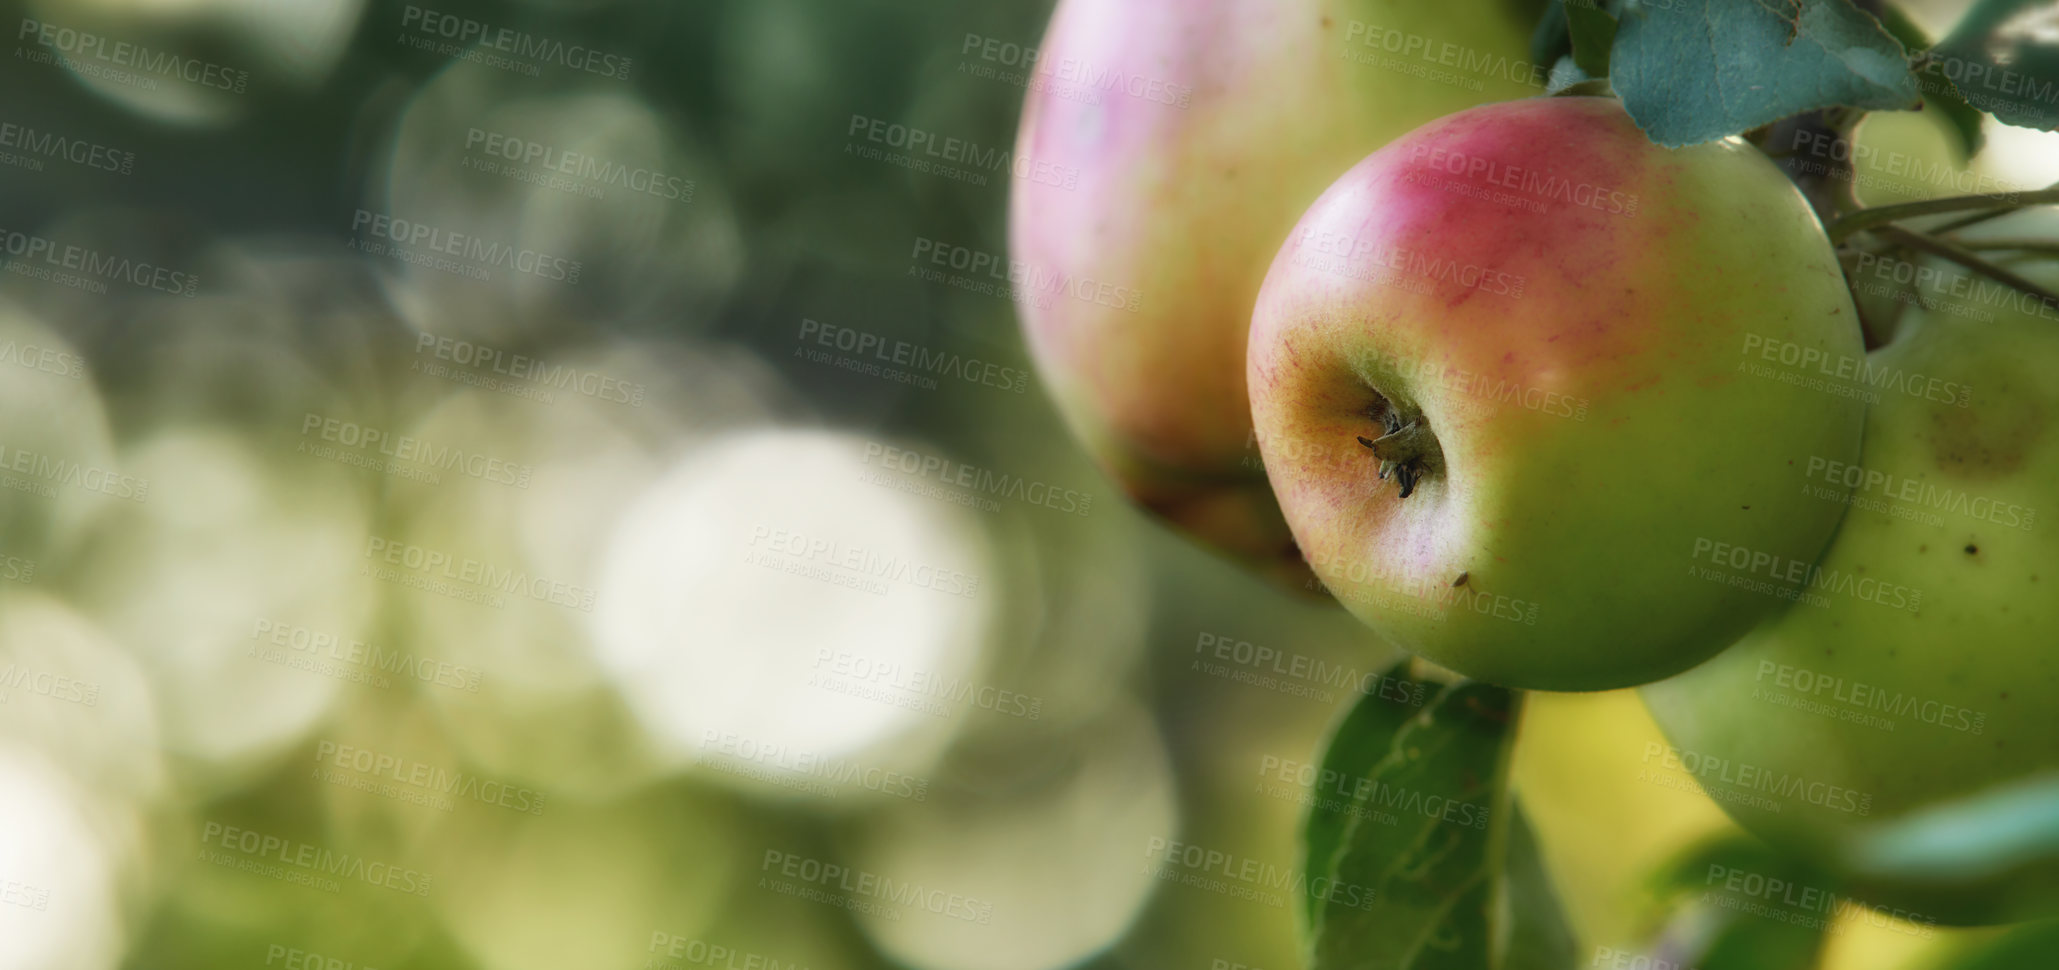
1539,938
1733,903
1963,118
1551,40
1972,838
1593,31
1691,71
1358,743
2030,945
1938,93
1901,28
1414,870
2003,57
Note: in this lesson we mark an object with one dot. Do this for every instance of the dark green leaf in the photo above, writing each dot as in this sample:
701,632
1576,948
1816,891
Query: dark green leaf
1691,71
1938,93
1900,27
2003,57
1551,40
1733,903
1963,118
1358,743
2014,826
1592,31
1413,878
2030,945
1539,938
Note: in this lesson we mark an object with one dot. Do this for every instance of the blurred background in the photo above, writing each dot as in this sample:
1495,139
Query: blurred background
536,485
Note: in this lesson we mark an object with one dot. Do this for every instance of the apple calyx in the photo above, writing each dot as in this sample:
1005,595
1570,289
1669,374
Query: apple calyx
1407,450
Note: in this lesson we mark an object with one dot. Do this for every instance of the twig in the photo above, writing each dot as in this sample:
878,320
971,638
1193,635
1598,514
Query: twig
2028,245
1945,250
1974,219
1863,219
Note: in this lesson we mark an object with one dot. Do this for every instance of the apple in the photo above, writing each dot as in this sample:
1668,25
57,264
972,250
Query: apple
1167,146
1579,371
1895,709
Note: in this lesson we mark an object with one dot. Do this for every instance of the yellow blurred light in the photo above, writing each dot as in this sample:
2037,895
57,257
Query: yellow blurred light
58,877
1053,863
189,579
509,212
762,563
583,885
66,689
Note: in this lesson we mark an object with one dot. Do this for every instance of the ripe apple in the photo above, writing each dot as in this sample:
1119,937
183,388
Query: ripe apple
1572,361
1170,145
1908,708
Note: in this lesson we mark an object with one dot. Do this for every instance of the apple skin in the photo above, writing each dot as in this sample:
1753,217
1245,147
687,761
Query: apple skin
1969,679
1176,209
1582,358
